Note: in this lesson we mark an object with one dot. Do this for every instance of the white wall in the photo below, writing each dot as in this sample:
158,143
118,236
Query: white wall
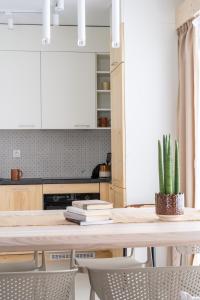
151,89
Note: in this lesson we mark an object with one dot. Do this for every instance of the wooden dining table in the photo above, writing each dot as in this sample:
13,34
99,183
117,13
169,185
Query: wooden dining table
155,233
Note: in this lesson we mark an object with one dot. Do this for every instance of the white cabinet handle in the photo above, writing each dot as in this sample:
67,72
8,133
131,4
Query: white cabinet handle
82,126
26,126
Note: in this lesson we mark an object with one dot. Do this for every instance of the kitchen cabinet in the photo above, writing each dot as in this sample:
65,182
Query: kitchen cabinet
118,127
68,90
21,197
104,191
70,188
117,54
20,90
117,196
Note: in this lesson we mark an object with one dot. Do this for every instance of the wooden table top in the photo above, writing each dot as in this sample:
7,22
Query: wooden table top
61,237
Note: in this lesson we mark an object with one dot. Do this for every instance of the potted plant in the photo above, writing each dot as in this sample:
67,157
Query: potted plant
169,202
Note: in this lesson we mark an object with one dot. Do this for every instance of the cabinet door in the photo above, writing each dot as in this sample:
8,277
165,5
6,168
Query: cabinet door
118,127
117,196
20,90
117,54
21,197
68,90
104,191
4,201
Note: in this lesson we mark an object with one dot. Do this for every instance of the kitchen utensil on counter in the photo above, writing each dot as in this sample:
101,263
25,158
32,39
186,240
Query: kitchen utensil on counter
108,158
16,174
104,171
95,172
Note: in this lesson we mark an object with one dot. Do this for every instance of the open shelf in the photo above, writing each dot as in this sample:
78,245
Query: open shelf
103,72
103,109
103,101
103,91
104,128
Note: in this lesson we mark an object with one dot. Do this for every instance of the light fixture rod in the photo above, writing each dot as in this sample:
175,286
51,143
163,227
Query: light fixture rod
81,23
115,23
46,22
10,21
56,19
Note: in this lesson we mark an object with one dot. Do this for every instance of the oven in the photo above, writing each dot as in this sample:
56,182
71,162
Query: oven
61,201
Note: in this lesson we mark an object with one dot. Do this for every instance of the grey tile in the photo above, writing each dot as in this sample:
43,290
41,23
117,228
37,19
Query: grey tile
53,153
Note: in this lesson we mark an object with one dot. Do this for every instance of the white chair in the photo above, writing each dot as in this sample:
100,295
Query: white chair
186,296
164,283
186,251
114,263
24,266
37,285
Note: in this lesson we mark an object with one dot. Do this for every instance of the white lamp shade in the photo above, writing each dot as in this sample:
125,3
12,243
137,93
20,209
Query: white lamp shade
115,23
81,23
56,20
10,22
46,22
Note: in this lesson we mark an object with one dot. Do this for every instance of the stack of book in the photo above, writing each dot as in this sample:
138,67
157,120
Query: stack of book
90,212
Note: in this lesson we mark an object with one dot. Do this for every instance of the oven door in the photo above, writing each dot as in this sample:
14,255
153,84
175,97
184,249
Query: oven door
61,201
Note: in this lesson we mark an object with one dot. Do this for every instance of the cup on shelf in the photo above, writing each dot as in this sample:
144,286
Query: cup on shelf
105,85
16,174
103,122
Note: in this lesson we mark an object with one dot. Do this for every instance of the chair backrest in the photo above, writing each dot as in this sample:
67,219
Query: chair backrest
145,283
37,285
188,250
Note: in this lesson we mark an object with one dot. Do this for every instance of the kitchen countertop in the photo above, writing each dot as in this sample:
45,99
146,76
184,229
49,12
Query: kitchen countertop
48,180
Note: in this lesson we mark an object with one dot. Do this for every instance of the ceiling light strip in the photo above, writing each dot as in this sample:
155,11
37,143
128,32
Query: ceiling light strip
56,19
81,23
46,22
115,23
10,21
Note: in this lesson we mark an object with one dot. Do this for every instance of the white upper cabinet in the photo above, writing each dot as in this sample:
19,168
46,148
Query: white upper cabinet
20,90
68,90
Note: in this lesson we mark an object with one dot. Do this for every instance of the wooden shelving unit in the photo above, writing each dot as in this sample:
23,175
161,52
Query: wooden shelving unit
103,99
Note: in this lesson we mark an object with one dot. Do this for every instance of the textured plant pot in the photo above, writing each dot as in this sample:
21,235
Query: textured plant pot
169,205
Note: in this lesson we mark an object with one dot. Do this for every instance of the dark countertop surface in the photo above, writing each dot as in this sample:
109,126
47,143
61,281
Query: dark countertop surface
61,180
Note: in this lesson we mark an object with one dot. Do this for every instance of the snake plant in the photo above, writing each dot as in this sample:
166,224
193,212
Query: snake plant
169,173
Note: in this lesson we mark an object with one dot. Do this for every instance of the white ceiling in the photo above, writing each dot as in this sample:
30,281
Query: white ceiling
97,12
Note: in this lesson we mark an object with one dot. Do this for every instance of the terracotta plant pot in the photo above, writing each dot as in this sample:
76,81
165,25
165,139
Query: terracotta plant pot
169,205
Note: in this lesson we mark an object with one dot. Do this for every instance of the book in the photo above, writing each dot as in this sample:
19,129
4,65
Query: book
92,204
84,223
91,212
96,223
79,217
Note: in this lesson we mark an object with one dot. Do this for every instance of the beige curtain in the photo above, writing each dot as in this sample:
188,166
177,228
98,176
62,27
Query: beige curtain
186,110
187,115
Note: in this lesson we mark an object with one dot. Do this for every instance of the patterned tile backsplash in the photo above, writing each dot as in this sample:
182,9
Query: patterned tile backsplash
53,153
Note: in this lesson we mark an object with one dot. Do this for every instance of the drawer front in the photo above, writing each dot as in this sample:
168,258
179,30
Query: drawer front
70,188
21,197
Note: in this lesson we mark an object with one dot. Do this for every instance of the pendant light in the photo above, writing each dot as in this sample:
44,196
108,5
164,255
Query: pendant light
46,22
115,23
10,21
81,23
56,21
